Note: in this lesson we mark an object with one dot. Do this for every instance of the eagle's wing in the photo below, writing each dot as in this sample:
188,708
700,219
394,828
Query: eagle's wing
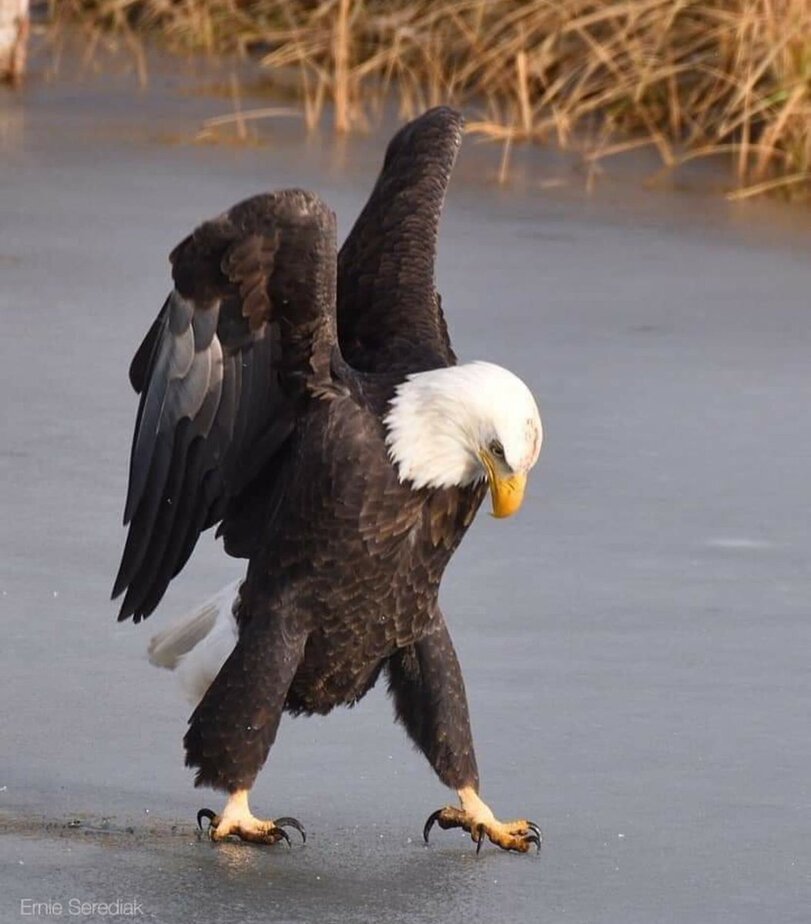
389,313
250,322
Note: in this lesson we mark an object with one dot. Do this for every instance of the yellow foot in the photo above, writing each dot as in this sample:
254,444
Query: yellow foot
237,821
477,819
254,830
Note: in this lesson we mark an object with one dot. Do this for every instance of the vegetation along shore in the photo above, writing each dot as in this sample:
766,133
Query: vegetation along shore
691,79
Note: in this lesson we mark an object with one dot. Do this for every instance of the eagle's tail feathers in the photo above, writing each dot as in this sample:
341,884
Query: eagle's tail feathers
198,644
168,647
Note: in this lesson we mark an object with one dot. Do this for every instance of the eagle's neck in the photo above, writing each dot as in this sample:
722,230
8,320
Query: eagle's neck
433,430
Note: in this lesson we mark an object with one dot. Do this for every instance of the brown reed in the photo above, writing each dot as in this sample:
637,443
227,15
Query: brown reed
691,78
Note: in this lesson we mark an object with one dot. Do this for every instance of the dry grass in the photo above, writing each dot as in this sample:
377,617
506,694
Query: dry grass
692,78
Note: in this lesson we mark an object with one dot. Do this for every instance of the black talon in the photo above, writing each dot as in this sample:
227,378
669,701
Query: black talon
533,839
430,823
283,834
292,823
480,840
205,813
536,829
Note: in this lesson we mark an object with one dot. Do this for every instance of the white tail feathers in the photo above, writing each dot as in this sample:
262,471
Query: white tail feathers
168,647
198,645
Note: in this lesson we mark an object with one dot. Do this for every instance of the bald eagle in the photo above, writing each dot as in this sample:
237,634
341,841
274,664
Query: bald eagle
309,402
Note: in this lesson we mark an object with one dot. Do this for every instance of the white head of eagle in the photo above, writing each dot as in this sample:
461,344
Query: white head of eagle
453,426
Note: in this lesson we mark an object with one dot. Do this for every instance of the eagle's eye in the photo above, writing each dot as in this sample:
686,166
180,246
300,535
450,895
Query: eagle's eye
497,449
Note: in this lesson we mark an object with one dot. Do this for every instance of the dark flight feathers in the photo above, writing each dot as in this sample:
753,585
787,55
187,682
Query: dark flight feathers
389,312
249,333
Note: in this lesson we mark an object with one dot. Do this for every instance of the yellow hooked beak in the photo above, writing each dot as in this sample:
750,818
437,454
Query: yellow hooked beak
506,493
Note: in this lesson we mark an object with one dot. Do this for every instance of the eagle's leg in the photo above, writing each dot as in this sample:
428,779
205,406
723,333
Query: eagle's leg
237,820
232,729
426,683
